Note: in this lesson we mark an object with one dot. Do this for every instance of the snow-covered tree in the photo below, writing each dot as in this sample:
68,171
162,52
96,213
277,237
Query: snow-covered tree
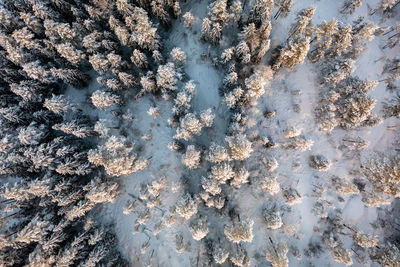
272,217
188,20
199,228
103,100
350,6
191,158
167,77
187,206
276,254
219,254
240,231
139,59
293,54
116,157
178,55
58,104
239,146
284,9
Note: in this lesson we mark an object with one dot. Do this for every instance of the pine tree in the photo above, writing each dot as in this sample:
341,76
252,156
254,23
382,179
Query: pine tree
277,254
103,100
284,9
167,77
293,54
188,20
178,55
187,206
139,59
241,231
239,146
191,158
199,228
350,6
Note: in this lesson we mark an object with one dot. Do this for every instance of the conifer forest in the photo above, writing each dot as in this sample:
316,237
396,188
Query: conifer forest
196,133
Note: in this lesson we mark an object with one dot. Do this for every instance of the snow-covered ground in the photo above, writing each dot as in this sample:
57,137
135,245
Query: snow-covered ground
294,96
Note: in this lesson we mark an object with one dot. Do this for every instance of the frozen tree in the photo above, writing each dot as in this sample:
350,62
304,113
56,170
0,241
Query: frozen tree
211,186
276,254
218,154
187,206
178,55
99,191
385,6
120,31
261,11
154,112
271,185
101,128
191,125
342,186
240,231
240,177
144,34
191,158
272,217
58,104
34,231
183,98
232,98
215,33
207,118
335,246
219,254
382,171
343,40
374,199
32,134
74,127
177,9
240,258
188,20
218,12
242,51
139,59
324,34
148,83
350,5
319,162
365,240
387,254
157,6
227,54
239,146
103,100
70,53
231,78
236,9
167,77
284,9
392,107
199,228
293,54
35,70
206,29
292,196
303,21
72,76
299,143
221,172
116,157
99,63
270,163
